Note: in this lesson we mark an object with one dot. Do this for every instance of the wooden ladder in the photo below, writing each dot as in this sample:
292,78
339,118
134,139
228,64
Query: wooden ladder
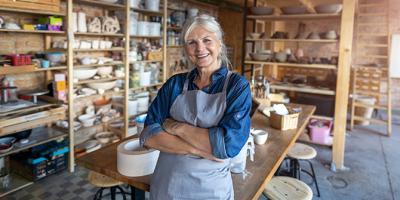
371,74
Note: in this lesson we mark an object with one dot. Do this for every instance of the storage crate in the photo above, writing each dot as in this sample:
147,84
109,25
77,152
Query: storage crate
284,122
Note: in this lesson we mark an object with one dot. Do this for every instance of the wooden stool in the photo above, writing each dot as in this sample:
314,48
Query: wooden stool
301,152
287,188
105,182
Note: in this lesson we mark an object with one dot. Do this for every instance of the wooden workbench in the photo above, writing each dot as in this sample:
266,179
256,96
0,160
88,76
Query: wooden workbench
267,159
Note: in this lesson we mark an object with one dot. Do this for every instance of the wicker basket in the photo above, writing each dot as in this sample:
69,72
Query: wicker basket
284,122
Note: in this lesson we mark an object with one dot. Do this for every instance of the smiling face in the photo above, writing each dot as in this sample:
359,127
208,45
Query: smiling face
203,48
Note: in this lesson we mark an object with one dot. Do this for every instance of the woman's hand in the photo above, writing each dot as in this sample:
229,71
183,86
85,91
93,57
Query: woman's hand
172,127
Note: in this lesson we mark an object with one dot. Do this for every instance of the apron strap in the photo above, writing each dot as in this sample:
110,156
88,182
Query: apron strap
186,84
228,76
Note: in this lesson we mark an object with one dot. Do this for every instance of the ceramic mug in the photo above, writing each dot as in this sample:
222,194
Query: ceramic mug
45,63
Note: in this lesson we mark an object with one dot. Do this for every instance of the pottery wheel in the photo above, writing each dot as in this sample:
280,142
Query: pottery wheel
34,94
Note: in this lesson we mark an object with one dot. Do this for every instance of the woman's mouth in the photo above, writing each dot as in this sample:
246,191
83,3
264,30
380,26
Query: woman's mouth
201,56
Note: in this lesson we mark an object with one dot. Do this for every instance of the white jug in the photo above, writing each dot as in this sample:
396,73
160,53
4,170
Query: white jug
238,163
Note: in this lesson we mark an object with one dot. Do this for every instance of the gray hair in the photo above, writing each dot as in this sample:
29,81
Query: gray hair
209,23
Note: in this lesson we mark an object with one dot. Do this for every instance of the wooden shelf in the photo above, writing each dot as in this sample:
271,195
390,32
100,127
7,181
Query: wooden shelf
148,12
146,61
294,17
100,50
112,6
98,80
37,12
174,28
175,46
177,9
100,65
100,34
17,182
38,136
147,37
147,86
35,31
293,40
318,66
303,89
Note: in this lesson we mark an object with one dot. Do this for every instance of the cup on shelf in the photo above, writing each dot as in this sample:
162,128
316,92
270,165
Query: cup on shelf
45,63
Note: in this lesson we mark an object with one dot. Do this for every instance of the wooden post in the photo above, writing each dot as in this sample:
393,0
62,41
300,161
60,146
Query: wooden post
164,33
343,79
127,66
70,65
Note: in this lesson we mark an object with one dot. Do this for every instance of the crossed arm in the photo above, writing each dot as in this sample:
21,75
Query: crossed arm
177,138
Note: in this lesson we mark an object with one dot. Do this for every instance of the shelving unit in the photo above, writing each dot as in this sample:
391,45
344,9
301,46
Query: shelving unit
41,115
346,18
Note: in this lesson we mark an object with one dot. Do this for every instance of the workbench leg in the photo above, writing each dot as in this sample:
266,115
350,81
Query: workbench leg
137,194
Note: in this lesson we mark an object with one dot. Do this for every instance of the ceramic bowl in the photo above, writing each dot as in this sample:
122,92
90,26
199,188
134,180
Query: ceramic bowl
255,35
85,60
260,136
260,56
262,10
329,8
105,70
55,57
104,85
85,73
6,144
281,56
87,119
330,35
294,10
104,137
313,36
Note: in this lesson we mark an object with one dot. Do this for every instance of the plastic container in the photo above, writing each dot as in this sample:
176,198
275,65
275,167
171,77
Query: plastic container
320,131
153,5
20,59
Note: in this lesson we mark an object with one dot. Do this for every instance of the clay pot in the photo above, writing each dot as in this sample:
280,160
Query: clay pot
281,56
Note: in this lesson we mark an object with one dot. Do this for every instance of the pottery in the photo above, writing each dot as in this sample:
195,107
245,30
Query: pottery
299,53
143,28
104,70
262,10
255,35
281,56
82,27
153,5
135,3
331,35
154,29
84,73
87,119
260,56
104,137
102,85
260,136
294,10
313,36
280,35
329,8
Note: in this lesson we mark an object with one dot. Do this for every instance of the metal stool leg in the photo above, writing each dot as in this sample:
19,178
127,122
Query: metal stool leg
122,192
99,194
112,192
314,177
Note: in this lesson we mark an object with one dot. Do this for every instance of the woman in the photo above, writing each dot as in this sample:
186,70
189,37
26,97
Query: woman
198,120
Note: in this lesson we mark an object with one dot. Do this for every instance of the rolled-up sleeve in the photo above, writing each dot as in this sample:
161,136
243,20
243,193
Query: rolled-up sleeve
228,138
158,111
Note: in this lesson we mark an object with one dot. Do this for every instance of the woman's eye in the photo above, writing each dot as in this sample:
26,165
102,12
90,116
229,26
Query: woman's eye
207,41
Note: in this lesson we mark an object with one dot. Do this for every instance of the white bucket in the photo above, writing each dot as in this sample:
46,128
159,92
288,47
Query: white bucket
132,107
153,5
135,3
154,29
143,104
145,78
362,111
143,28
133,27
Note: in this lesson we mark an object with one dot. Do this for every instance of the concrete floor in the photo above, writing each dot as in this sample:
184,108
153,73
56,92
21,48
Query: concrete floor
372,160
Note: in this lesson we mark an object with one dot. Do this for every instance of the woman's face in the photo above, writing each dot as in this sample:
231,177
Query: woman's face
203,48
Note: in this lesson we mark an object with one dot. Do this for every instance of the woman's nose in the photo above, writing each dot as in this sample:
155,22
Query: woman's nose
200,46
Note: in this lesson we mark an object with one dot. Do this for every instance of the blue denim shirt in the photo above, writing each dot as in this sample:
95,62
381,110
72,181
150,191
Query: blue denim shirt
232,132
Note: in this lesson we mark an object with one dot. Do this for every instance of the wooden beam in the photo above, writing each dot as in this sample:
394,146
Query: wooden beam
309,5
343,78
